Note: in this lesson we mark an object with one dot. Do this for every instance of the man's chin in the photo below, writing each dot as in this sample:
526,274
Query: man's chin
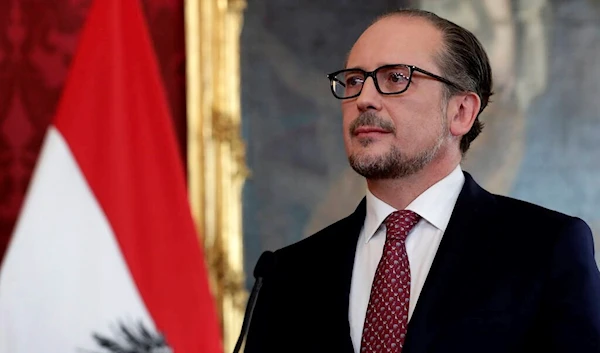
370,155
367,141
369,165
381,166
369,146
372,172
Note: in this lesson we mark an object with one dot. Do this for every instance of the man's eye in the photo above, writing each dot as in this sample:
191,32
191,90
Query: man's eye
397,77
353,81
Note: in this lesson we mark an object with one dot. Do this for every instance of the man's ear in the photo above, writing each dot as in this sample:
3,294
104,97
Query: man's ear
462,116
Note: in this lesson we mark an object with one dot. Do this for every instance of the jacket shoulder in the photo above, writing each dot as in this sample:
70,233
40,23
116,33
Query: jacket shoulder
321,240
539,230
540,216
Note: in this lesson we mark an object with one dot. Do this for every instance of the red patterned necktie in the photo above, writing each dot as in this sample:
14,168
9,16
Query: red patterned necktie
387,314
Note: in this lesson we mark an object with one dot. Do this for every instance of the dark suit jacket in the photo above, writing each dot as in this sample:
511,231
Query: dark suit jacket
508,276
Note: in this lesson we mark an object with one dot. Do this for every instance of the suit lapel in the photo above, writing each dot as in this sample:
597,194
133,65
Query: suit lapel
346,248
462,238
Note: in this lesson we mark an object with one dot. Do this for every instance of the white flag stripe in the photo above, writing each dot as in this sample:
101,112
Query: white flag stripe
63,252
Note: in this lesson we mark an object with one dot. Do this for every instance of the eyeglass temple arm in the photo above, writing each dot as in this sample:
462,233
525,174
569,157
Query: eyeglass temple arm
439,78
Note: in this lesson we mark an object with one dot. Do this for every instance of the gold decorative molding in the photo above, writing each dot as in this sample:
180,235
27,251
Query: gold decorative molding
216,151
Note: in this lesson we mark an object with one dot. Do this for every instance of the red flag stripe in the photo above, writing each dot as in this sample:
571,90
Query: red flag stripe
115,118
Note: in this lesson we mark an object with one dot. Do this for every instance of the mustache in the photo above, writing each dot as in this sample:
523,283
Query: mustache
371,119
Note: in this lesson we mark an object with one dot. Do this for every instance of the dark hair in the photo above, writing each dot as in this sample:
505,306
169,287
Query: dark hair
463,61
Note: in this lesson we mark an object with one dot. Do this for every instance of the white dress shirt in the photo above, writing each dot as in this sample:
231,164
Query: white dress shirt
435,206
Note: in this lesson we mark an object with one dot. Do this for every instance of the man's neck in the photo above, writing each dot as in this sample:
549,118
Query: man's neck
400,192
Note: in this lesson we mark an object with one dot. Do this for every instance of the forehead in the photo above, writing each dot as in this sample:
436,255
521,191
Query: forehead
397,40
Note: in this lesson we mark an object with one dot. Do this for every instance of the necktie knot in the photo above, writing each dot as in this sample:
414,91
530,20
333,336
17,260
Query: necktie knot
399,223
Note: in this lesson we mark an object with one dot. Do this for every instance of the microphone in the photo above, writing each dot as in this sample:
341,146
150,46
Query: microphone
264,268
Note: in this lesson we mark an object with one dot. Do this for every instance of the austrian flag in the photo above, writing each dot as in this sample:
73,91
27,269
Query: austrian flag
105,256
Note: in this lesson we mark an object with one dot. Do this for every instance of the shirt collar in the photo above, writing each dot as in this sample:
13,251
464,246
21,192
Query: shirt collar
434,205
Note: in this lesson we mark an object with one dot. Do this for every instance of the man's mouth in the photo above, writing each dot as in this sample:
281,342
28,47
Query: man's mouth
372,131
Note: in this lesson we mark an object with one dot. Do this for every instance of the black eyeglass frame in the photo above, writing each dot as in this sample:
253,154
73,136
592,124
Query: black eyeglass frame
373,75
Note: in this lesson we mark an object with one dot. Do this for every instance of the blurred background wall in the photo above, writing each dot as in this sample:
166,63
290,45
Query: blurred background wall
541,142
37,42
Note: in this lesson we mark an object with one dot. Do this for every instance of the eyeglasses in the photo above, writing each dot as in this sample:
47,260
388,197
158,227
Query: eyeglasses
388,79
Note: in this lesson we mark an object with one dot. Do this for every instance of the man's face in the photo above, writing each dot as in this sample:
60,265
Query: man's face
392,136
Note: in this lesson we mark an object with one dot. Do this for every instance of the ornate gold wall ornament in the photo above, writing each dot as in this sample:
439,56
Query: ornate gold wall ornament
216,151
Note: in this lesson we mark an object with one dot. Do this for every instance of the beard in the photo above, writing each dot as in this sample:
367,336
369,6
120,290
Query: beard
394,164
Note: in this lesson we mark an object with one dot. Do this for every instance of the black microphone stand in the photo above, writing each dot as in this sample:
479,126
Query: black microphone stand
263,268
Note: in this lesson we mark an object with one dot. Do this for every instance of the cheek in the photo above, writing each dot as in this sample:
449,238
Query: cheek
347,117
416,129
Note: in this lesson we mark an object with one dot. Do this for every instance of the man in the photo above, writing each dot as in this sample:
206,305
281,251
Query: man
429,261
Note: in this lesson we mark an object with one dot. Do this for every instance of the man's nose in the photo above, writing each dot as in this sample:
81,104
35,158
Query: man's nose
369,97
